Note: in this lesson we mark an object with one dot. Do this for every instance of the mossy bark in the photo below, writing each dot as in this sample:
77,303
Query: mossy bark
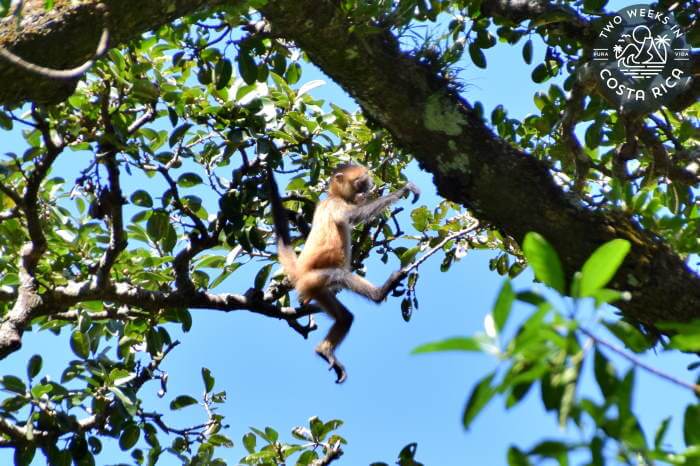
473,167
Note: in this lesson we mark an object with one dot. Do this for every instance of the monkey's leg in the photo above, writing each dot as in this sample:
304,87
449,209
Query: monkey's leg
361,286
339,330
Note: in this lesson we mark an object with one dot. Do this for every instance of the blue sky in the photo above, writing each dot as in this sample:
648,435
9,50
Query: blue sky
391,398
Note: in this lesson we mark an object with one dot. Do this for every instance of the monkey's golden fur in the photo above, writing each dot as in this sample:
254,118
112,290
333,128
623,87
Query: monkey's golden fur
323,267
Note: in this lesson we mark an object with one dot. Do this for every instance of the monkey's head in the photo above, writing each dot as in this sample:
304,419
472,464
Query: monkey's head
350,182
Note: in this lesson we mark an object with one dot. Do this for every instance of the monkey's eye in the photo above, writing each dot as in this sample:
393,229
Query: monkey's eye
362,184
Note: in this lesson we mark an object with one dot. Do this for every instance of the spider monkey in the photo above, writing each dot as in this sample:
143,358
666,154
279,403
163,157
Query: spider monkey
323,267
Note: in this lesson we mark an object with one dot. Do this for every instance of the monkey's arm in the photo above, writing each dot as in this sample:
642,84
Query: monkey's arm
370,210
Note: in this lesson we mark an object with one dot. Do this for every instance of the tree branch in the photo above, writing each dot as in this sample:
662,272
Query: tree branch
499,183
333,453
113,201
17,434
637,362
69,73
64,37
28,300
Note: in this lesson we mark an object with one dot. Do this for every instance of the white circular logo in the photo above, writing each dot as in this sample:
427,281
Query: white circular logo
642,56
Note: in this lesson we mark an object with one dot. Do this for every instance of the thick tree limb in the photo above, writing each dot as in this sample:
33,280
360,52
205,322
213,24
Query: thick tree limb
475,168
72,73
471,165
141,298
65,37
58,302
14,432
28,298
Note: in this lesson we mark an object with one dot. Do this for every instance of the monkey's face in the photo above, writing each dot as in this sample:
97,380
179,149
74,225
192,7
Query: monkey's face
352,184
363,184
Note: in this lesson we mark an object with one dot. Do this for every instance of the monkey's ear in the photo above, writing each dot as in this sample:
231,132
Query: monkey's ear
338,176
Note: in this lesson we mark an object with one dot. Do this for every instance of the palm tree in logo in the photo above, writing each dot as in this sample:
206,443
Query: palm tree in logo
643,50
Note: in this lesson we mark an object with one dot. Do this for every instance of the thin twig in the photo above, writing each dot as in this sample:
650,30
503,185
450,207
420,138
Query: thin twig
624,354
397,277
414,265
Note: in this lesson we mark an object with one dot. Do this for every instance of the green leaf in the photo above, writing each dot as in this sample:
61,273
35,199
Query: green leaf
80,344
185,318
407,455
5,120
691,425
593,135
24,454
14,384
527,51
145,90
630,336
604,374
450,344
503,305
208,379
408,255
480,396
40,390
530,297
220,441
498,114
126,402
172,116
178,134
517,457
129,437
624,393
182,401
247,67
141,198
95,445
157,225
549,449
249,441
224,71
34,366
187,180
540,73
261,277
594,5
544,261
272,434
293,73
661,433
477,55
686,342
307,458
421,218
602,265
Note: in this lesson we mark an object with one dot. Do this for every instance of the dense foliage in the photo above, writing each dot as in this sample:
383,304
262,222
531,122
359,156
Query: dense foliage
169,137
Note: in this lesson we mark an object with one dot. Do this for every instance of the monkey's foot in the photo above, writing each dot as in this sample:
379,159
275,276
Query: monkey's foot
392,283
334,364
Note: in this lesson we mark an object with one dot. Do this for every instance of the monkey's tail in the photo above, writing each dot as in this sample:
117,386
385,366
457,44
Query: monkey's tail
288,259
285,250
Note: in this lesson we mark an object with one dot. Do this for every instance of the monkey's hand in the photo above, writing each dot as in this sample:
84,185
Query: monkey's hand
327,354
412,188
